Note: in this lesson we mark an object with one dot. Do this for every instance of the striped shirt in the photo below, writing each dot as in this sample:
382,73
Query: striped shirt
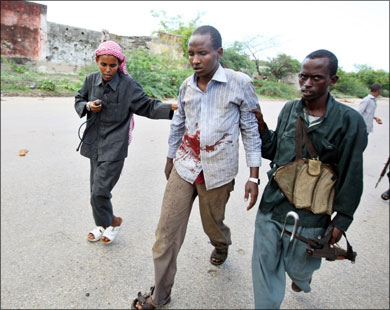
205,129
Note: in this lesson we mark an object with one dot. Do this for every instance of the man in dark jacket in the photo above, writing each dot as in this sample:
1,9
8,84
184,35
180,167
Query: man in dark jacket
338,134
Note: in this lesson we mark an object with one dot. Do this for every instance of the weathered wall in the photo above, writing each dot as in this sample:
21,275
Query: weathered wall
76,46
54,47
166,42
71,45
70,48
23,29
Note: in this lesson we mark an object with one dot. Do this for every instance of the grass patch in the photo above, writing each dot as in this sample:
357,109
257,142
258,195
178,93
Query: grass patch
274,89
24,79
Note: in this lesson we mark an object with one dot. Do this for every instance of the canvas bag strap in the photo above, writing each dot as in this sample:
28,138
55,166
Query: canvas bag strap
300,128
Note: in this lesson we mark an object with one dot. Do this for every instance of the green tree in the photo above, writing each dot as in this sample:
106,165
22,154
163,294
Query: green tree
159,75
368,76
176,25
349,84
234,57
282,65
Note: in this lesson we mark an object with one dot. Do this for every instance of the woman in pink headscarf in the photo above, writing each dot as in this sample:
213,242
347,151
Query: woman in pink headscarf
109,98
113,49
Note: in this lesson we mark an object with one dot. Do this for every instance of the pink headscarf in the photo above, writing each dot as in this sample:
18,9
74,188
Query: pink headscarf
113,49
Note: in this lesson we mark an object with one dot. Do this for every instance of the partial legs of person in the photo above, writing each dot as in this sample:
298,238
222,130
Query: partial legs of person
104,176
171,229
273,257
212,205
386,195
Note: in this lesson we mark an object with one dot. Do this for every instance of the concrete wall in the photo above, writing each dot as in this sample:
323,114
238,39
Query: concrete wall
25,33
23,29
75,47
69,48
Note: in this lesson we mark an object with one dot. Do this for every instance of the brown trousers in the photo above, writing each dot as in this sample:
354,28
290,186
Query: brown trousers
175,212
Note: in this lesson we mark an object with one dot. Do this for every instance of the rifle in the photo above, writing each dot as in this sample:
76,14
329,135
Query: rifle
383,172
320,248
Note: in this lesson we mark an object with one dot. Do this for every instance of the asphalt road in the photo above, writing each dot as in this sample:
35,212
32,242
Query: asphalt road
47,262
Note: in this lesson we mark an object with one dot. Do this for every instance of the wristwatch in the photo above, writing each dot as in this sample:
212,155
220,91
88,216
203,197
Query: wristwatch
255,180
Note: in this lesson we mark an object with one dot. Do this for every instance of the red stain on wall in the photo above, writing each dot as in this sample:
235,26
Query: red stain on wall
20,29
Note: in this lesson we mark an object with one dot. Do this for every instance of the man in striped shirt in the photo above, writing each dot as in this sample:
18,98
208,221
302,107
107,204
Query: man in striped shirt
214,107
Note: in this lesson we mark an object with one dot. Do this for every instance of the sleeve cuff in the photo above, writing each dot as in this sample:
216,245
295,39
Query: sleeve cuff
253,159
342,222
171,153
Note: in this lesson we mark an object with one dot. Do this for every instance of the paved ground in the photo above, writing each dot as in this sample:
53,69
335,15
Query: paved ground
47,262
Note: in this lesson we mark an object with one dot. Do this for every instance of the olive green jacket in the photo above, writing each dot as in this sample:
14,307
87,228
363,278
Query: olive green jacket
339,137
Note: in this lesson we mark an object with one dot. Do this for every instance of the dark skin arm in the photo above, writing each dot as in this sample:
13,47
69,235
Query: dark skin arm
260,121
251,188
336,233
168,167
336,236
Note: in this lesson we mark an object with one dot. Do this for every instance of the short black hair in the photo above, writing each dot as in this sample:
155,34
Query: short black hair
375,87
333,61
216,39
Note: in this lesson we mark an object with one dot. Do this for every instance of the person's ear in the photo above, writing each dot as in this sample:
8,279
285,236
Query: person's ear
219,53
333,80
97,60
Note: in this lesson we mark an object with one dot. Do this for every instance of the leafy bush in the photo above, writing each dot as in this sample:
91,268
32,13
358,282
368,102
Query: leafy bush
46,84
273,88
357,84
159,75
349,84
18,68
84,71
73,86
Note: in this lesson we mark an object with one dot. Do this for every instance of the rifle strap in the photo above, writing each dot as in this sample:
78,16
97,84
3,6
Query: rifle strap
349,254
301,129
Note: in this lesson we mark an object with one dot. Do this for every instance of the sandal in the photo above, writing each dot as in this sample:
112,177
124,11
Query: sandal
219,256
143,303
386,195
111,232
296,288
97,233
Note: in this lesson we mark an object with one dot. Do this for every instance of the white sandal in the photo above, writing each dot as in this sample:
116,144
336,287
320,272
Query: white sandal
110,233
97,233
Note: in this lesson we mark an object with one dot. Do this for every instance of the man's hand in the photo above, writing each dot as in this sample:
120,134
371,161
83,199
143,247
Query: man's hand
168,167
251,189
336,235
95,106
378,120
174,106
260,121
